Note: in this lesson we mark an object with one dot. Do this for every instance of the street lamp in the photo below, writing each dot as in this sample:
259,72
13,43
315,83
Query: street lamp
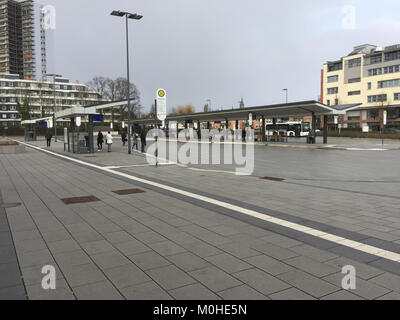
127,16
54,106
286,90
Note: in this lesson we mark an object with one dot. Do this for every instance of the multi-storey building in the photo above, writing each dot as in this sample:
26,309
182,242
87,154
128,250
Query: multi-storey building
17,47
39,95
370,78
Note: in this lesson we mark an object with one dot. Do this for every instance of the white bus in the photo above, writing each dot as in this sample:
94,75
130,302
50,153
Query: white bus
288,129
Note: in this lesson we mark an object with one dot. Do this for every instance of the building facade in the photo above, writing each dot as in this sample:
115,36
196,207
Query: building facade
368,77
17,45
39,96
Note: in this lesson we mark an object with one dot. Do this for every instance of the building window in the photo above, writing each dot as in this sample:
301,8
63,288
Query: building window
391,69
328,102
354,93
369,85
393,113
354,80
335,66
355,118
390,56
389,83
376,59
333,79
333,90
397,96
377,98
353,63
374,72
353,125
372,115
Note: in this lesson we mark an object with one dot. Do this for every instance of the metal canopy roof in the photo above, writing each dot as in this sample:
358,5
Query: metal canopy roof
297,109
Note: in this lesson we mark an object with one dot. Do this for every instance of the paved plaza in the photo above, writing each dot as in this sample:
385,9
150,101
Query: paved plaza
198,232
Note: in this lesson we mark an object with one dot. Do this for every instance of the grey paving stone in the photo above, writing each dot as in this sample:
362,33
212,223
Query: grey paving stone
7,254
193,292
354,254
308,283
387,265
170,277
97,291
132,247
269,265
342,295
110,259
238,250
13,293
96,247
64,246
62,292
90,236
150,237
275,251
31,246
215,279
243,293
126,276
74,258
314,253
291,294
390,296
118,237
149,260
9,275
261,281
364,289
228,263
188,261
388,280
80,275
38,258
224,230
107,228
54,236
167,248
315,268
202,250
146,291
281,241
26,235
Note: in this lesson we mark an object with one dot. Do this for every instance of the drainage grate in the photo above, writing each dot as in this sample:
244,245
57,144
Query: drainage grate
80,200
273,179
128,191
9,205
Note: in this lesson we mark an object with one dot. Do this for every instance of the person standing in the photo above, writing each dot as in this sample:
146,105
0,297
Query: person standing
143,140
109,140
135,142
100,140
49,136
123,136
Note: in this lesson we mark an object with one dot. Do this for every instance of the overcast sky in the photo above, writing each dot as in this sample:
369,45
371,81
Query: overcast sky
215,49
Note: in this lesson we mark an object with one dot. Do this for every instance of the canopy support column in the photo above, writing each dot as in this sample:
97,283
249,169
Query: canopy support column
325,129
263,129
90,132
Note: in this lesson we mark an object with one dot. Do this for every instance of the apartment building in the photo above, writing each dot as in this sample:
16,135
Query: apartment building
39,95
367,80
17,47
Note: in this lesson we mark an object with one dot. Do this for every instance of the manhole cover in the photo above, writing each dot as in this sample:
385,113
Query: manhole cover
80,200
9,205
273,179
129,191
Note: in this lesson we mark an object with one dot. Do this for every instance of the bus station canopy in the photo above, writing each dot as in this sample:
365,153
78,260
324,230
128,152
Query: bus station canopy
296,109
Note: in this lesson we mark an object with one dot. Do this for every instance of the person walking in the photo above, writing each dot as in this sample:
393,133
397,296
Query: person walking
143,140
244,133
123,137
48,136
100,140
135,142
109,140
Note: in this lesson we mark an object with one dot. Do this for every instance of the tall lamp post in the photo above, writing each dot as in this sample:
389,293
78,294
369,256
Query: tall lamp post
127,16
286,90
54,106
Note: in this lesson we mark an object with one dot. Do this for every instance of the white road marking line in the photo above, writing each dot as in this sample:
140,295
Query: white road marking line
294,226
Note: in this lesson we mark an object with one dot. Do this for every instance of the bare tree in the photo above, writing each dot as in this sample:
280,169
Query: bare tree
98,84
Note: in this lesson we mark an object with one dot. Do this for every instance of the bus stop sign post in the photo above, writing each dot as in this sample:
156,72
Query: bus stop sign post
160,113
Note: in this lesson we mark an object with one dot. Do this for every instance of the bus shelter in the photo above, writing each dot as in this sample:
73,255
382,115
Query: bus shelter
30,126
302,109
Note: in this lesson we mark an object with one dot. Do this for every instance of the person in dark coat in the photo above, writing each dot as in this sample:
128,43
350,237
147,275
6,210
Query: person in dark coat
100,141
244,135
49,136
123,137
143,140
